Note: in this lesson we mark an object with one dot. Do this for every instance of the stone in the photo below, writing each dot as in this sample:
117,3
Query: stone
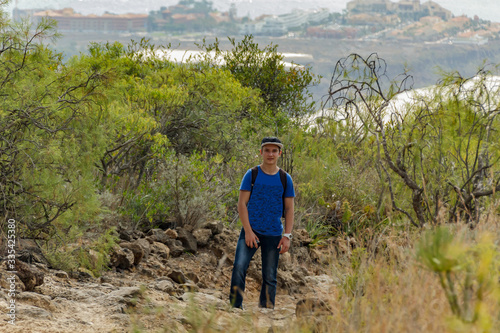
202,236
189,287
321,284
122,258
146,247
29,252
84,274
286,281
29,275
321,257
137,234
285,261
161,250
158,235
302,256
136,250
176,248
301,238
188,240
30,312
35,299
171,233
126,295
178,276
165,286
7,284
193,277
204,301
227,237
127,292
215,226
124,234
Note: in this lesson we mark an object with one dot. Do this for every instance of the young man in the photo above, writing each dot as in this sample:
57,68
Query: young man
261,206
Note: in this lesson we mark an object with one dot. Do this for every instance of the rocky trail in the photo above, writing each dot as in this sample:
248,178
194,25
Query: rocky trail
163,281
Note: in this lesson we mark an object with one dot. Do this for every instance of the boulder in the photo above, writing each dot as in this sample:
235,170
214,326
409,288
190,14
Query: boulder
127,292
202,236
29,252
10,281
61,274
35,299
227,237
137,234
126,295
29,312
165,286
285,262
193,277
171,233
83,274
146,247
204,301
29,275
188,240
158,235
125,234
302,256
175,246
301,238
136,250
161,250
214,226
178,277
122,258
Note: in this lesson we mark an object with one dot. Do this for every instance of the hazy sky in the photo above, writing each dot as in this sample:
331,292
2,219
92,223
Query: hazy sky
486,9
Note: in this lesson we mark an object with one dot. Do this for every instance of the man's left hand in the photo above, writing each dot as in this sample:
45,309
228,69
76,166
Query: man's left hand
284,245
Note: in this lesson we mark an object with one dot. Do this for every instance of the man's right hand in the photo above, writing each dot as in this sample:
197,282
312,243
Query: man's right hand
251,239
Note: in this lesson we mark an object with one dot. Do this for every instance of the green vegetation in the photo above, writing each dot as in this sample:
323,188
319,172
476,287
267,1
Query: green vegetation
119,137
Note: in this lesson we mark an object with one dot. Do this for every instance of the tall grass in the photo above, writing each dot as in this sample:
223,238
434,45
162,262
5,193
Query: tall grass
392,289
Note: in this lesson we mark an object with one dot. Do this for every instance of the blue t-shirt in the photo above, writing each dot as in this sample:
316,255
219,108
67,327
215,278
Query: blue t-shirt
265,206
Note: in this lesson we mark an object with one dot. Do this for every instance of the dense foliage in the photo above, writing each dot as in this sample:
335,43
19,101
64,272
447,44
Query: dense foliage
119,137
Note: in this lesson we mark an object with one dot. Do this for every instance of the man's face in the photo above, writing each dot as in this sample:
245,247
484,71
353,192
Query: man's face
270,154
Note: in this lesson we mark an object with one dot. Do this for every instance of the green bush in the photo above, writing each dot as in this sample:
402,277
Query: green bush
182,190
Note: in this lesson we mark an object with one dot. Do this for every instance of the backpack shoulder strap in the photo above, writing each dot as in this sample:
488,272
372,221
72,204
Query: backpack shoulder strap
255,171
283,180
284,183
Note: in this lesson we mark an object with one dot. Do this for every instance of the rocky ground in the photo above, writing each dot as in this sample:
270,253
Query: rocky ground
164,281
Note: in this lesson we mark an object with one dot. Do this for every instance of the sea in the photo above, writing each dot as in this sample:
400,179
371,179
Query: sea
484,9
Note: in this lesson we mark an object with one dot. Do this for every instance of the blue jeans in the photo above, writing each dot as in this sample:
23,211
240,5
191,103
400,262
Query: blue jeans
270,257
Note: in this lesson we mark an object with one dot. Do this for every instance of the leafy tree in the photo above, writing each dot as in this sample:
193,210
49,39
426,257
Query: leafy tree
45,153
186,107
441,150
283,89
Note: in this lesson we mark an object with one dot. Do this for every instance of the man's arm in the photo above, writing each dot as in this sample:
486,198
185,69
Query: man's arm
250,238
289,220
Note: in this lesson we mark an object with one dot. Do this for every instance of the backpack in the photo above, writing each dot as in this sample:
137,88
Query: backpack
255,171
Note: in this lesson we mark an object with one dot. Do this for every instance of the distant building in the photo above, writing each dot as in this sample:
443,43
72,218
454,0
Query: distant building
68,20
404,8
373,19
278,25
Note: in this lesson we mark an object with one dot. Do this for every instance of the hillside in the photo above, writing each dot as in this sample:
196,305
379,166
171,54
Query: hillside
171,283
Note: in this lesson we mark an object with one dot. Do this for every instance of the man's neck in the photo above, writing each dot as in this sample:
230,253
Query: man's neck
271,169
